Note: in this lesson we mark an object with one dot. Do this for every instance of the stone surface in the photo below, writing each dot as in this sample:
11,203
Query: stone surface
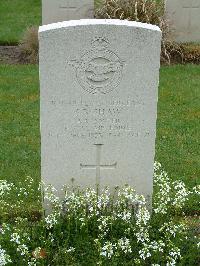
99,81
63,10
184,18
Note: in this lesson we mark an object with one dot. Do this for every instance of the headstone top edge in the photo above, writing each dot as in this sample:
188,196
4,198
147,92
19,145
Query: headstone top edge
87,22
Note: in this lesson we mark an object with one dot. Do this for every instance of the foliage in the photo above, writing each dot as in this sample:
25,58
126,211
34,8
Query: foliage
191,53
29,46
103,229
16,16
146,11
19,126
178,125
136,10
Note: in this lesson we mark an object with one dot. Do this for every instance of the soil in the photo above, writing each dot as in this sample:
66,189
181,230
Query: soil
10,55
13,55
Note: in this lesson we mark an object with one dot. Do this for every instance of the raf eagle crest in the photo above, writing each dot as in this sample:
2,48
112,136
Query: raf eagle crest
99,70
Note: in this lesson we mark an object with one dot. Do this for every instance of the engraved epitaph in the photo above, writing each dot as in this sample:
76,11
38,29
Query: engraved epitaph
98,82
63,10
184,19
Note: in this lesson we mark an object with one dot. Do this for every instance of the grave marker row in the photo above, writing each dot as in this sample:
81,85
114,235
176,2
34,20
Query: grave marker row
183,15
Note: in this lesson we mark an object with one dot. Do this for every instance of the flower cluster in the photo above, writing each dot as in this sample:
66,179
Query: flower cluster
162,181
51,220
4,258
170,195
181,194
18,197
124,245
5,187
108,249
117,227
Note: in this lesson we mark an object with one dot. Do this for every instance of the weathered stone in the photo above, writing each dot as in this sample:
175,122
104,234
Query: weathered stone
184,19
63,10
99,81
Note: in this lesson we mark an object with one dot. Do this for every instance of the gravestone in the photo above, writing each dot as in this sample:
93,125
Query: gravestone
63,10
184,19
98,81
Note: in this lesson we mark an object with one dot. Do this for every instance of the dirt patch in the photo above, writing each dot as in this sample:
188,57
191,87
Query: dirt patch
14,55
9,55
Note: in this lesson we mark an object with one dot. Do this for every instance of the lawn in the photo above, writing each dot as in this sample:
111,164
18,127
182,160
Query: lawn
178,127
16,16
177,144
20,141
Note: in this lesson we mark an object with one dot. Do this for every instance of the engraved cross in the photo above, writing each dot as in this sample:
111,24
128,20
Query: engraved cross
191,6
98,166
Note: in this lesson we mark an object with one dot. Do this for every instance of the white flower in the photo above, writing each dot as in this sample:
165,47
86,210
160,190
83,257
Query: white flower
157,166
91,208
144,253
174,255
171,263
4,258
171,229
103,199
3,228
181,194
103,226
140,200
127,193
125,215
23,249
162,197
157,246
5,187
124,245
33,262
71,249
108,250
142,216
15,237
196,190
51,197
142,224
51,220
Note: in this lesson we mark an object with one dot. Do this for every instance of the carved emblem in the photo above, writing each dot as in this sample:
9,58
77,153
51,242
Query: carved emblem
99,70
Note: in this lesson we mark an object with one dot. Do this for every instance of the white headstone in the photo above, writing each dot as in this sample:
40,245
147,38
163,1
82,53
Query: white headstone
184,19
99,81
63,10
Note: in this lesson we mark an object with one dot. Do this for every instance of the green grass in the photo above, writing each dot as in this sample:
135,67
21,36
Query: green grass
177,144
178,127
16,16
19,123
